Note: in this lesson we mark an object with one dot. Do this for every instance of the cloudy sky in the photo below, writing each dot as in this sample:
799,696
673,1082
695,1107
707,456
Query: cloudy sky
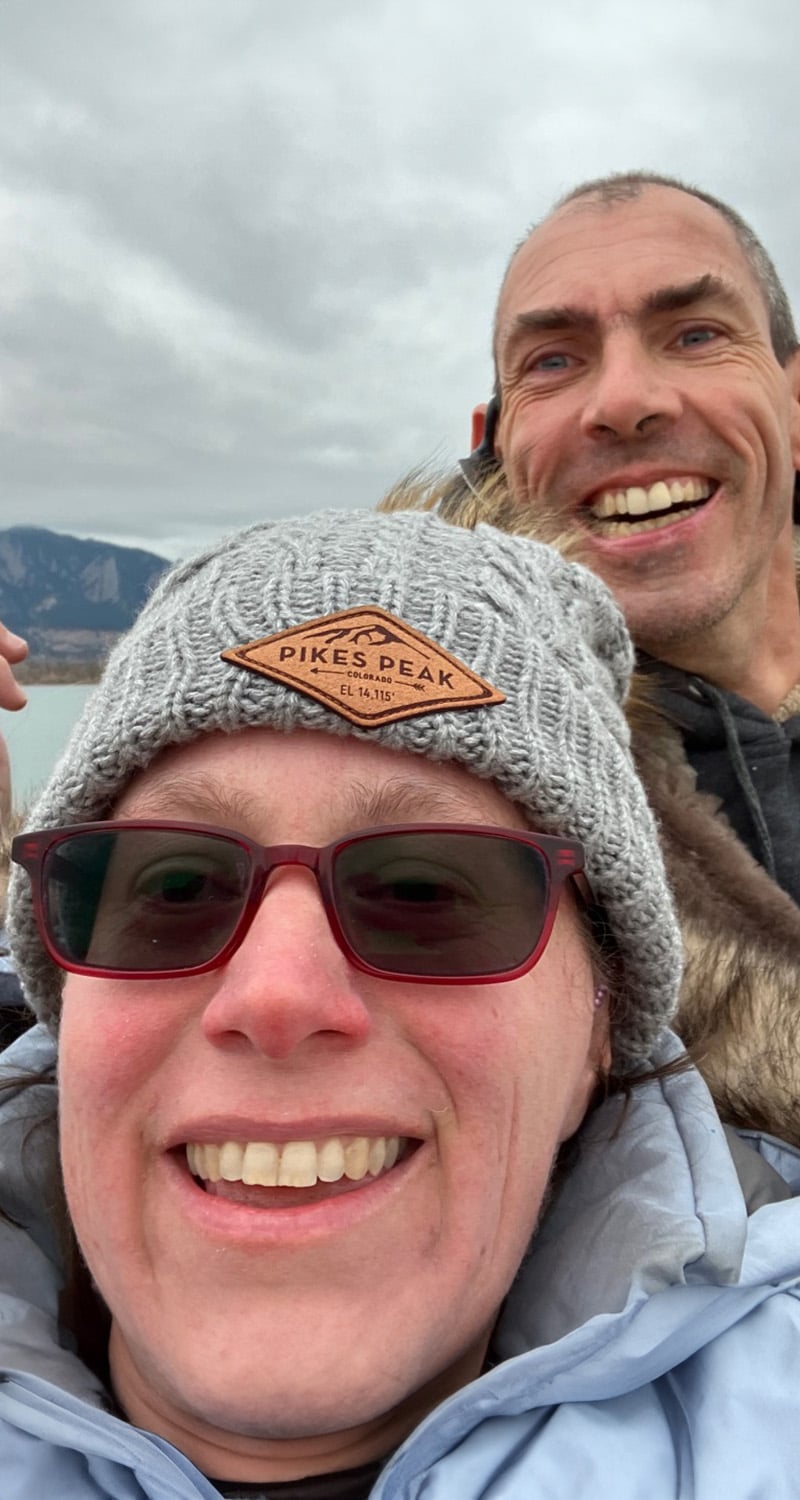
249,248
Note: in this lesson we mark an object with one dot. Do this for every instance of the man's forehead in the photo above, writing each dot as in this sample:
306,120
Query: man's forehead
661,237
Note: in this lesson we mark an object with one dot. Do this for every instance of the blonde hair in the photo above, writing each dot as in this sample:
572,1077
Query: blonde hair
466,503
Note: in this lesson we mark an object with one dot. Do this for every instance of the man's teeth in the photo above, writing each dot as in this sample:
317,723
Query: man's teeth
661,496
295,1164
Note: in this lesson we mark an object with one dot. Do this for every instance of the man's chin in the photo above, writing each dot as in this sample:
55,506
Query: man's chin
665,607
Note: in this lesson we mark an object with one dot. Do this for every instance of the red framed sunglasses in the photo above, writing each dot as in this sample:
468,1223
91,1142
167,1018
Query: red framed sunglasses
424,902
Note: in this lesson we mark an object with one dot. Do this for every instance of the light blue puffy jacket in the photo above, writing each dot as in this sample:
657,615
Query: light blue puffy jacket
650,1347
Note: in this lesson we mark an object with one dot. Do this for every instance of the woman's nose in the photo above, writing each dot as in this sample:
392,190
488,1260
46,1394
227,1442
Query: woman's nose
288,984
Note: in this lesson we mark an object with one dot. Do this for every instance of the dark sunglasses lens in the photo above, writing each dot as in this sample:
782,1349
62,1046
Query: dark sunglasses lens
443,905
144,899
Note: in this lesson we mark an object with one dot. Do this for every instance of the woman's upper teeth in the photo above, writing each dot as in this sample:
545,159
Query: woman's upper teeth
294,1163
638,501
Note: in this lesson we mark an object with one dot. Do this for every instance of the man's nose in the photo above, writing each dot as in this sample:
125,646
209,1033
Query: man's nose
631,393
288,984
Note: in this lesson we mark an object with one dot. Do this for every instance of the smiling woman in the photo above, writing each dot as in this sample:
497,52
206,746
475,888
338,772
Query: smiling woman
346,920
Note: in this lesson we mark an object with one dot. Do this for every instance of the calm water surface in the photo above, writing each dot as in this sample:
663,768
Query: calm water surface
38,733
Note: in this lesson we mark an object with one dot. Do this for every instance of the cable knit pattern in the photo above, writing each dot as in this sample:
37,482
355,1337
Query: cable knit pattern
544,631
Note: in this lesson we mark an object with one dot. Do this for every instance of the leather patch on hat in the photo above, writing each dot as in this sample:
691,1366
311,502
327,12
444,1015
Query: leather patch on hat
366,665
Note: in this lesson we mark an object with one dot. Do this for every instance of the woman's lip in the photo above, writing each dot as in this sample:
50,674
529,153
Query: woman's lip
217,1218
215,1130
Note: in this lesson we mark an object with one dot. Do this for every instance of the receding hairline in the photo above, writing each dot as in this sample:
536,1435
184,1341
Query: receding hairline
620,188
590,199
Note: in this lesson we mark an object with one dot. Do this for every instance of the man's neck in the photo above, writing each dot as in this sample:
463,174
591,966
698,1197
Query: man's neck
754,651
763,680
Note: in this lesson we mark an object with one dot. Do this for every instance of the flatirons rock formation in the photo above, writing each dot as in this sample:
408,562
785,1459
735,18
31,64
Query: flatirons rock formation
71,598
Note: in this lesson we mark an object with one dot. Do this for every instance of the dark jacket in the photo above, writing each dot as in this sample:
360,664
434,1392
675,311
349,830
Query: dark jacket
745,759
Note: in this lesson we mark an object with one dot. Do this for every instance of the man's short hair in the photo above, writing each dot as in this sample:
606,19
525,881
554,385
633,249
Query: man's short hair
621,187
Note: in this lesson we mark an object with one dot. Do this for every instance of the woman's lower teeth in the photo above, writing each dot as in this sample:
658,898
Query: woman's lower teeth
647,523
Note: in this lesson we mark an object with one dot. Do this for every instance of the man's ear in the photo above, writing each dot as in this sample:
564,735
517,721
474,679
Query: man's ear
478,425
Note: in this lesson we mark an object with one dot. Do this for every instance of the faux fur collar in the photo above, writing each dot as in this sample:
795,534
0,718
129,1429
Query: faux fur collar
740,1001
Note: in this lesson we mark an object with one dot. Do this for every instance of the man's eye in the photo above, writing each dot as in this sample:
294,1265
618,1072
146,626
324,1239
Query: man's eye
693,337
546,363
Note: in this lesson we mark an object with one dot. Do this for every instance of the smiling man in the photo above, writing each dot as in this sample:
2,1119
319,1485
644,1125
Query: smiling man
646,412
646,398
647,383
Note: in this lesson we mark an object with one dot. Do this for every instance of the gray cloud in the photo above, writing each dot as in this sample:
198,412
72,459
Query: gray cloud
250,251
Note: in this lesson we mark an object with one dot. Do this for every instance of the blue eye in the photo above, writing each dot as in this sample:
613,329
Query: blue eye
693,337
545,364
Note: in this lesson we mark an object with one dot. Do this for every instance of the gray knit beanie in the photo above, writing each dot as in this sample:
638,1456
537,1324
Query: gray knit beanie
542,632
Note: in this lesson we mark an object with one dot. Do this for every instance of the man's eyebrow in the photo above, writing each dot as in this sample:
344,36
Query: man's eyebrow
552,320
704,288
568,317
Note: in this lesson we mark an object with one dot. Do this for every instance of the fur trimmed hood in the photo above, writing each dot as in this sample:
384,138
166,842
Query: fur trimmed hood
739,1014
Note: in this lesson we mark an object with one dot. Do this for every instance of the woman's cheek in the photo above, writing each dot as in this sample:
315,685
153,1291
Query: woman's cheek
111,1041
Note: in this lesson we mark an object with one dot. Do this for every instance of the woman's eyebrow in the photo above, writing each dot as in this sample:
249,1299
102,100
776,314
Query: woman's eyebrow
400,800
403,800
189,797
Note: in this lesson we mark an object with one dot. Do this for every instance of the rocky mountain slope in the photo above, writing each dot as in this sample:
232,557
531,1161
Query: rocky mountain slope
70,598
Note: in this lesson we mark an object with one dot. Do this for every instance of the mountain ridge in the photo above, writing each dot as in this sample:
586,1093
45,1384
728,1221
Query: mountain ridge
71,597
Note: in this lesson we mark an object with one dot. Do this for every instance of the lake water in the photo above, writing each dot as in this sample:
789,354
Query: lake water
37,734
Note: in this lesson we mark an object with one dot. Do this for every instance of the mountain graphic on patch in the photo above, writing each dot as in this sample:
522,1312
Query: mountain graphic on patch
371,635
